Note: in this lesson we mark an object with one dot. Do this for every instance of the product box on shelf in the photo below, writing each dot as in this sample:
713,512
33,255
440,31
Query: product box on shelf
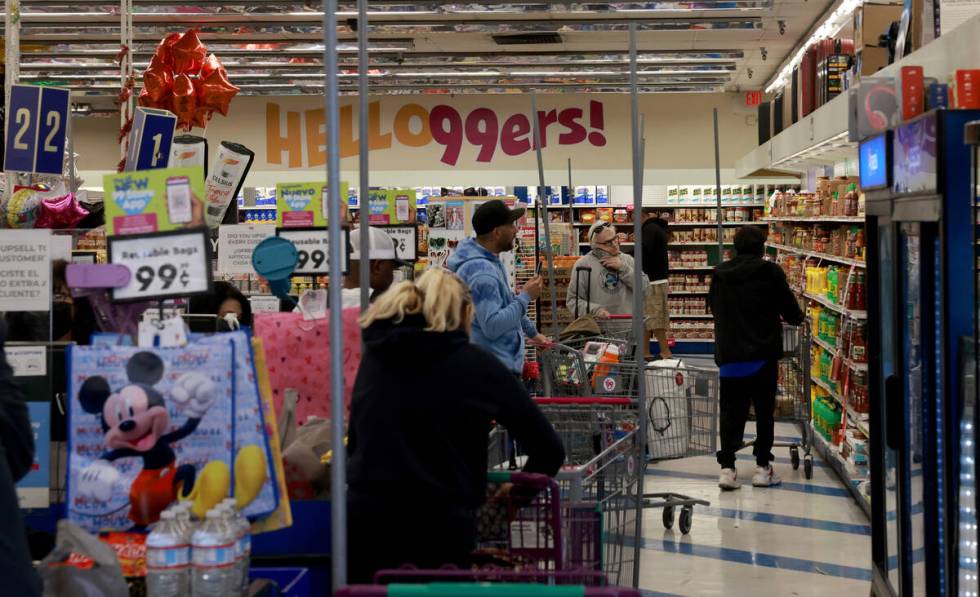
872,107
911,92
964,91
870,60
871,21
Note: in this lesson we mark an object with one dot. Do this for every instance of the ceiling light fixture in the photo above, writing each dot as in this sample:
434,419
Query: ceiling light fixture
828,28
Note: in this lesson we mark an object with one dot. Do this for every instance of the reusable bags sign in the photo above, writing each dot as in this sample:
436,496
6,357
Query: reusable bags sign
150,426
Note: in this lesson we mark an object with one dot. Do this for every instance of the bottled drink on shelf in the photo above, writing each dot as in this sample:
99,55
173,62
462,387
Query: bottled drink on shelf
167,558
213,555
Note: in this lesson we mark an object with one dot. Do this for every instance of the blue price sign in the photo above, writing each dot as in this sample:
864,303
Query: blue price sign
150,139
37,124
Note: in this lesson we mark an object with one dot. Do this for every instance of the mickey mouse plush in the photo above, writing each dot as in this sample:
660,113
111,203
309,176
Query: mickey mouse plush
136,424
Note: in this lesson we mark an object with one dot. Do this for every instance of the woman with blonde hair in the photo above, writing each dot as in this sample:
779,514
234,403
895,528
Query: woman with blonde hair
424,400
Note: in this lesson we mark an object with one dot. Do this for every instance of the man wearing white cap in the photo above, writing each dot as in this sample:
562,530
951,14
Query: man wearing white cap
383,261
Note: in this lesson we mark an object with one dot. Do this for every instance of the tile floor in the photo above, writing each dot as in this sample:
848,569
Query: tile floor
802,538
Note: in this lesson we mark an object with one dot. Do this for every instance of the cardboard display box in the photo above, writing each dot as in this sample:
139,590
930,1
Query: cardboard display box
871,21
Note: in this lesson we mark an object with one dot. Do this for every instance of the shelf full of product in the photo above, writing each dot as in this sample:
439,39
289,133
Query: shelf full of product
819,241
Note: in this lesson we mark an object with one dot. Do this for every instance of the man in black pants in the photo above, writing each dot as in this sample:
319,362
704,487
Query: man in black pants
748,297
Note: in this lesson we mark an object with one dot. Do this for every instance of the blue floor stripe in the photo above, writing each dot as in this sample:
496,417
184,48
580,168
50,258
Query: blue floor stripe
753,558
916,509
647,593
794,521
785,486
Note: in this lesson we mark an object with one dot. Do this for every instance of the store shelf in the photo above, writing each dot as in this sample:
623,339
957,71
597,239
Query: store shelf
693,340
817,219
704,244
858,420
830,456
838,308
698,268
713,224
687,293
818,255
834,352
699,316
704,205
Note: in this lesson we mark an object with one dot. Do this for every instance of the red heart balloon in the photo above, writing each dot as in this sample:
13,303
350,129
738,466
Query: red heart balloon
189,53
184,100
217,92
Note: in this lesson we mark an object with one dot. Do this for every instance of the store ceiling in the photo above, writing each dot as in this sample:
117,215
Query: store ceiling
432,47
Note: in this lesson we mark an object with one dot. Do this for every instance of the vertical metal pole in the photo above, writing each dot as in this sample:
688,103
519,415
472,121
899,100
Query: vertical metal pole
11,23
362,120
721,229
639,294
543,210
72,165
571,194
338,481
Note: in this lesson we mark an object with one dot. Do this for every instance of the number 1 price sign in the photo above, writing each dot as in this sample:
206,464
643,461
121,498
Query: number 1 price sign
314,250
36,129
163,265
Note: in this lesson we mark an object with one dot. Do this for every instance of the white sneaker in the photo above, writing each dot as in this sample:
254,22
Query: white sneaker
765,476
728,480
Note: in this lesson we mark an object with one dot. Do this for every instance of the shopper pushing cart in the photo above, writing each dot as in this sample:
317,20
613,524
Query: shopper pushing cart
749,296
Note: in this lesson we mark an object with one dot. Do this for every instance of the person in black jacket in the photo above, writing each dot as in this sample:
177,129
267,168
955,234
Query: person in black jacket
656,237
423,404
748,296
16,458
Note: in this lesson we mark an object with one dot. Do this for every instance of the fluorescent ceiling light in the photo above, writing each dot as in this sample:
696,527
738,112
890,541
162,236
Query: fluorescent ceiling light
834,22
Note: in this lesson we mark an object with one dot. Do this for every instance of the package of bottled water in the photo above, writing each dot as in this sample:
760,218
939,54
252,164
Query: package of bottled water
167,558
213,557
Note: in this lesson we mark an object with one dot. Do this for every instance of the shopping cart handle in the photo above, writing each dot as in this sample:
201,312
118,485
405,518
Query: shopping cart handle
601,400
623,316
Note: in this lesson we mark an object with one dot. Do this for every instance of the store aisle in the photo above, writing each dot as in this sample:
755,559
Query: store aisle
802,538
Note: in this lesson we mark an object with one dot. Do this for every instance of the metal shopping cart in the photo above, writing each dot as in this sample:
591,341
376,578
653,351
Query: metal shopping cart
793,396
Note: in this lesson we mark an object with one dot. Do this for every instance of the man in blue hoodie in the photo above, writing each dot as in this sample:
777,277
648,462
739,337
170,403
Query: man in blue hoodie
501,320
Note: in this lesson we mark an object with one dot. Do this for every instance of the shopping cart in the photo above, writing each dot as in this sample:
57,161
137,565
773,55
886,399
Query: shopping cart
793,396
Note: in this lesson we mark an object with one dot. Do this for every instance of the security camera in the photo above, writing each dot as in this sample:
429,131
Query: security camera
782,27
765,53
750,72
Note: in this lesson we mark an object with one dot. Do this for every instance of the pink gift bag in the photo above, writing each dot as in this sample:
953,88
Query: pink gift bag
298,355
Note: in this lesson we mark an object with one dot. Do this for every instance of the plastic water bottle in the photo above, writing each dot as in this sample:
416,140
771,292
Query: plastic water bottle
167,558
213,555
244,544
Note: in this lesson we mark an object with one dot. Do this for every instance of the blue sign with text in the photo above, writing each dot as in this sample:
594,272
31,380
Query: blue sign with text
150,139
37,124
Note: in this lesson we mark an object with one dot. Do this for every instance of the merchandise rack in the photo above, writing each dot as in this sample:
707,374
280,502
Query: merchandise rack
851,419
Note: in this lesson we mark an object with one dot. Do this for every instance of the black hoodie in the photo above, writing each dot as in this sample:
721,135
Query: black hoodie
421,410
748,296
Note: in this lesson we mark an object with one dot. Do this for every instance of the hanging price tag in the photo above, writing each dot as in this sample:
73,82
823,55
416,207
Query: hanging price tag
313,247
406,241
163,265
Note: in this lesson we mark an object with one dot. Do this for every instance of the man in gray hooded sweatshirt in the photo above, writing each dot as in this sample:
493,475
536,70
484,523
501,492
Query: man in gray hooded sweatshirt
608,289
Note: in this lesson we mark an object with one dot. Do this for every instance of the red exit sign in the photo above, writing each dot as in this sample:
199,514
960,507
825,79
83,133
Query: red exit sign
753,98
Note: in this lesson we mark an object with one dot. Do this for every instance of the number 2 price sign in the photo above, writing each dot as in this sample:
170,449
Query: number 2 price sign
163,265
312,245
36,129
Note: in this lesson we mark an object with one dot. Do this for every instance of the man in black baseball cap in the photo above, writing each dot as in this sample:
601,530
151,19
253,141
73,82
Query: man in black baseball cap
501,322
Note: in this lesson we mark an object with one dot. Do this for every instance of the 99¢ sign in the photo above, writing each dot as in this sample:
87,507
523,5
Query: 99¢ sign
37,121
162,265
313,249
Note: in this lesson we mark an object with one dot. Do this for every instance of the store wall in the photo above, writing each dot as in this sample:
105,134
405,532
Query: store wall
470,140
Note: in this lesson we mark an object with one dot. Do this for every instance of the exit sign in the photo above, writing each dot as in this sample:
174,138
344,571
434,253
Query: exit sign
753,98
